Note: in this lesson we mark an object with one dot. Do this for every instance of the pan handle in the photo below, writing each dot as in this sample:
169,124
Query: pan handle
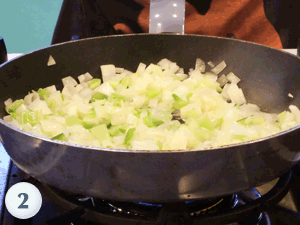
3,51
167,16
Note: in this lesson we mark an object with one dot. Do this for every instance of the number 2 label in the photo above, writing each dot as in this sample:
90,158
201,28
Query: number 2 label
22,206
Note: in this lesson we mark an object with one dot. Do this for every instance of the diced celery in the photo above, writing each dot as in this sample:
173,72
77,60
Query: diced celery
114,83
148,121
157,122
129,136
118,97
152,93
13,107
125,82
94,83
281,117
60,137
239,137
44,93
100,132
115,130
205,122
189,96
178,102
219,89
72,120
217,123
98,96
159,144
51,104
90,114
31,117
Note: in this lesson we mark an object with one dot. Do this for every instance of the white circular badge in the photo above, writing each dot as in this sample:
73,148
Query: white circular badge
23,200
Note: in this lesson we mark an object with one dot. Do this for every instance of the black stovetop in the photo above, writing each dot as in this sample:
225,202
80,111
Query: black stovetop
248,207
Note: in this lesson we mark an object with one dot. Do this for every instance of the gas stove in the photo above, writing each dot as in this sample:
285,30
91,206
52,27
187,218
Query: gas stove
277,202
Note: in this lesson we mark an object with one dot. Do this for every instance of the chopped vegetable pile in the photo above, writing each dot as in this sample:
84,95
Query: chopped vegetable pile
158,107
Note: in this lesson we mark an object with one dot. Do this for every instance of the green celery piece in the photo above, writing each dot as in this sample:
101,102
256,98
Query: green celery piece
72,120
94,83
189,96
192,114
148,121
43,93
242,121
129,136
178,102
219,89
240,137
100,132
90,114
125,82
258,120
51,104
281,117
13,107
87,125
159,144
203,134
98,96
206,123
118,97
152,93
13,115
62,97
114,84
157,122
61,113
115,130
30,117
60,137
217,123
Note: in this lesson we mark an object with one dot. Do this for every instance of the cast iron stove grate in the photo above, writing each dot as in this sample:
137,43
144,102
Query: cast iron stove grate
245,208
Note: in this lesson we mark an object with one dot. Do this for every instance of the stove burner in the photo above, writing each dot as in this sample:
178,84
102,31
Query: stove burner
195,208
244,208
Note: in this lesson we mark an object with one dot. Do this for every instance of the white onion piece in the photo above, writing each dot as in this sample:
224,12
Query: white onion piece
236,94
51,88
233,78
108,70
127,72
219,68
294,109
81,78
69,81
7,119
222,80
119,70
173,67
200,65
211,64
8,102
51,61
290,95
141,68
105,88
164,63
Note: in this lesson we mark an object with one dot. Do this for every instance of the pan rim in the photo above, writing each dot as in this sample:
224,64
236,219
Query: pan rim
235,145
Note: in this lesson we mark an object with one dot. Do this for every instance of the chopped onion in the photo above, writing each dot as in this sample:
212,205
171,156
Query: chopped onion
157,108
219,68
211,64
200,65
51,61
222,80
233,78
